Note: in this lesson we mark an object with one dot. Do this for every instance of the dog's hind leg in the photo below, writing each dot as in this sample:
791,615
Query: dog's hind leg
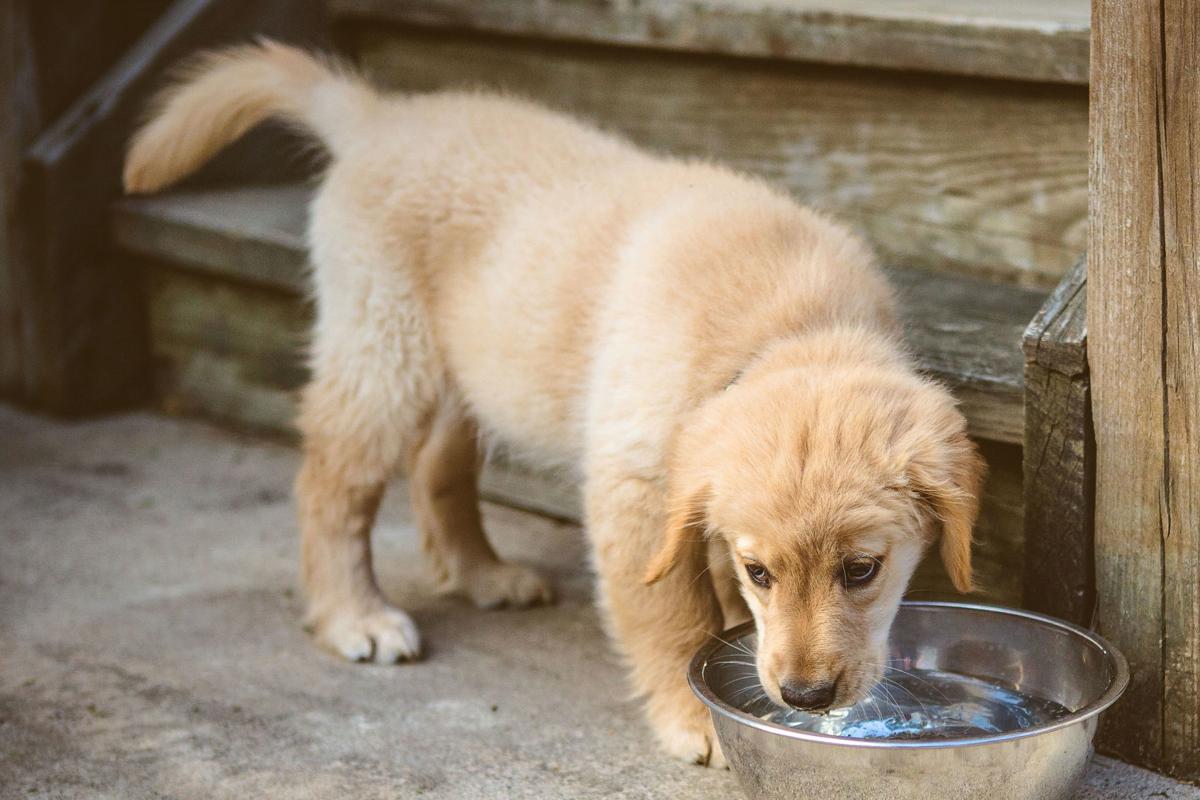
376,380
443,481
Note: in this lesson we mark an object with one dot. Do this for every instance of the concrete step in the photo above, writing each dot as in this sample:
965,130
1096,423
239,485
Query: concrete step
953,132
225,272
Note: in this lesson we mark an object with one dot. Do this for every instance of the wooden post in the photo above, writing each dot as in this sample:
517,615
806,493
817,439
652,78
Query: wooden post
1059,456
19,115
77,306
1144,323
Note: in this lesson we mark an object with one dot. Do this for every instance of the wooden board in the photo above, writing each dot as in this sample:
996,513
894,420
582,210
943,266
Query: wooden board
1059,457
977,177
19,120
231,352
84,337
965,332
1144,322
1017,39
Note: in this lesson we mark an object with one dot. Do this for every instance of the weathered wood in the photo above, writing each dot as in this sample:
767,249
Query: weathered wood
1059,456
19,121
230,351
1018,39
1180,126
85,334
252,233
965,332
983,178
1144,322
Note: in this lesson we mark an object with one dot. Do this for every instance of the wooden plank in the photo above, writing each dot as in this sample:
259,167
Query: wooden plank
231,352
1059,457
19,121
1018,39
1179,126
1144,321
86,338
965,332
981,178
254,233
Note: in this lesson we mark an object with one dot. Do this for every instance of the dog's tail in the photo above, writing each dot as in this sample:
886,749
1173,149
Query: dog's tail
221,95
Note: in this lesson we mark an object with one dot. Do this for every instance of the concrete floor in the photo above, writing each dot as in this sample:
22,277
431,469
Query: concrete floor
150,645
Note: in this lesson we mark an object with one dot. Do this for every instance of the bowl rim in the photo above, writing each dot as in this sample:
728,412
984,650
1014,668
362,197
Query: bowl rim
1116,686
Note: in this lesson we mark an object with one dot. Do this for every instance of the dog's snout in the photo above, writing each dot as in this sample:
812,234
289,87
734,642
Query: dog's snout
808,696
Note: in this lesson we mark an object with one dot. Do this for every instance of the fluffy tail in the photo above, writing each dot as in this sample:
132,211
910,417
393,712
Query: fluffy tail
222,95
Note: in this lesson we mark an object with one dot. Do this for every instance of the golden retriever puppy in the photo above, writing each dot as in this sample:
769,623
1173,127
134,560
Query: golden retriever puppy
718,364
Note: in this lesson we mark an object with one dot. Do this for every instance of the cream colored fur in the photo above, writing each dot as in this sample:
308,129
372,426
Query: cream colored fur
717,363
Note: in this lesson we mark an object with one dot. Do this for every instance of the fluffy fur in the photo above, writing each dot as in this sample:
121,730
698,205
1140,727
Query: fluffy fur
717,363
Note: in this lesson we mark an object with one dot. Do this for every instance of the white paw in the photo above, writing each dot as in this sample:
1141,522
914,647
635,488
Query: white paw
692,739
384,636
506,585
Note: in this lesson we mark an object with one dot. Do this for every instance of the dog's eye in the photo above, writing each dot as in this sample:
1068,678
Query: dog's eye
859,571
758,573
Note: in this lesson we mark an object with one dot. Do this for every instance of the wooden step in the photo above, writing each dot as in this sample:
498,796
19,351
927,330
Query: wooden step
983,177
228,316
965,332
1016,39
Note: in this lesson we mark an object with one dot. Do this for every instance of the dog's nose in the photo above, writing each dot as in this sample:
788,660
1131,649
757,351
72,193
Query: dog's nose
808,696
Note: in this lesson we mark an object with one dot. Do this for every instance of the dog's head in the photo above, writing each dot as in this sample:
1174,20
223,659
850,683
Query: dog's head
827,474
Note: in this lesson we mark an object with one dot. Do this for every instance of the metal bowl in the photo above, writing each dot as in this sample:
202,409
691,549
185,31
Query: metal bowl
1026,652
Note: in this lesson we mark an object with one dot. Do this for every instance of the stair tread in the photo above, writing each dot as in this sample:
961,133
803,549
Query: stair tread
1018,39
964,331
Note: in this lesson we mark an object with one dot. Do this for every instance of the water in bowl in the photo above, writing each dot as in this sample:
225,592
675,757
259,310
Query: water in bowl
928,704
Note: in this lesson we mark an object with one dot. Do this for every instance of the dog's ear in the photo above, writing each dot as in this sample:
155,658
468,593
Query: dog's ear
685,536
948,475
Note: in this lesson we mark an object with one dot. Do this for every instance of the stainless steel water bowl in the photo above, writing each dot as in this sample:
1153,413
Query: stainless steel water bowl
1026,652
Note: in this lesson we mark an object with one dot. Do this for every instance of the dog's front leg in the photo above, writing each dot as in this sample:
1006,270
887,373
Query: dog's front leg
658,627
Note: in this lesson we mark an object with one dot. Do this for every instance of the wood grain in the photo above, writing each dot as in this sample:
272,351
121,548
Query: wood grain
1018,39
965,332
1143,320
1180,159
1059,456
977,177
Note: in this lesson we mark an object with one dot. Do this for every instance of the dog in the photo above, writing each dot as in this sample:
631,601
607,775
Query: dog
720,366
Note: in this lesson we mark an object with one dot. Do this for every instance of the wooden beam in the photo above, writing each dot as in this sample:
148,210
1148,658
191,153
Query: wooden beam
1144,322
1017,39
1059,456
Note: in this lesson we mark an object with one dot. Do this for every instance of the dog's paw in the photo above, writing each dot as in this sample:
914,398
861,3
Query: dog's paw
384,636
692,740
506,585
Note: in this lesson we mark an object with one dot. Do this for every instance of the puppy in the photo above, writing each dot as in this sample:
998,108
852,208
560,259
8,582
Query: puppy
718,365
